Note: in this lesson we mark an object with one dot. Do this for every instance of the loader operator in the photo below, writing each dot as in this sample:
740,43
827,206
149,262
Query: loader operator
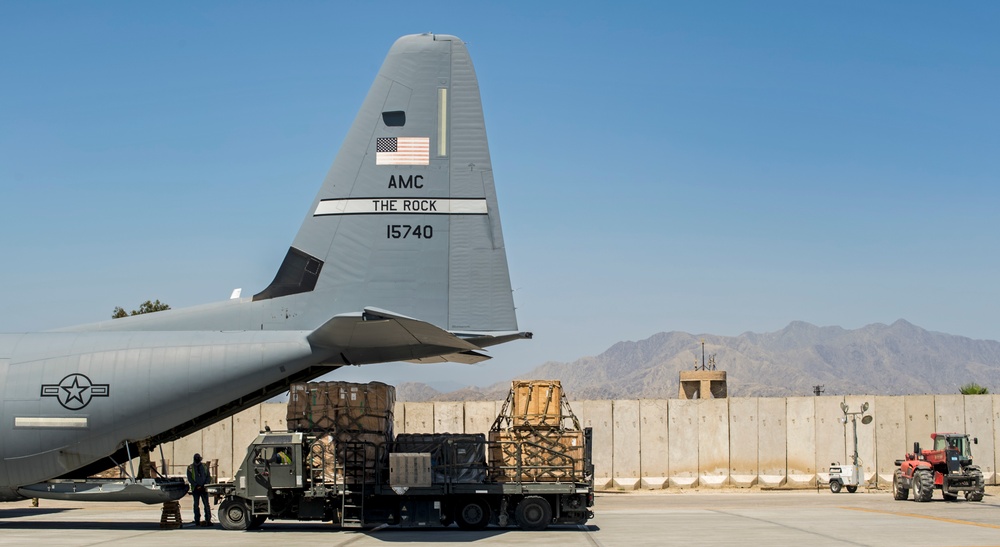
198,477
281,456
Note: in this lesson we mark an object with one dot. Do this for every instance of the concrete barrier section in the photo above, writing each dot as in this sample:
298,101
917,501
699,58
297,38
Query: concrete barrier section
399,418
979,425
682,441
449,417
890,436
274,415
479,416
626,436
996,438
919,420
653,462
800,419
184,449
949,414
866,436
418,418
743,441
713,443
771,442
246,426
830,433
599,415
217,444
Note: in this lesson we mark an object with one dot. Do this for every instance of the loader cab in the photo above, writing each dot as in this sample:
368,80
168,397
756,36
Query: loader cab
958,443
274,458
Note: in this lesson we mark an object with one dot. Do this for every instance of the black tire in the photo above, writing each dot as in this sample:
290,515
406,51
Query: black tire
898,491
472,514
534,513
976,495
949,497
257,521
923,485
835,486
234,515
852,489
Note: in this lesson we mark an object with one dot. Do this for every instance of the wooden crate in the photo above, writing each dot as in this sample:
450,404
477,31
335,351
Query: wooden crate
536,455
536,404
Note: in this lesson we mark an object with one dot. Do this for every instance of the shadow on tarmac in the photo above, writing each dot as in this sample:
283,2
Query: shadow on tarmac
389,534
79,525
28,512
386,534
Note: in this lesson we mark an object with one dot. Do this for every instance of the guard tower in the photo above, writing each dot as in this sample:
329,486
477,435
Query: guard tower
704,382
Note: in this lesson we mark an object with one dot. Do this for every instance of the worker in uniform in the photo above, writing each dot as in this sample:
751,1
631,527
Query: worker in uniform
281,456
198,477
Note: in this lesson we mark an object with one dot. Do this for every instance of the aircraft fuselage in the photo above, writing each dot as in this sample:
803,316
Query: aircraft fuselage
73,398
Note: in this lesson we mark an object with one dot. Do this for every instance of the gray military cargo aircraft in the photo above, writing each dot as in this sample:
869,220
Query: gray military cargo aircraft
400,258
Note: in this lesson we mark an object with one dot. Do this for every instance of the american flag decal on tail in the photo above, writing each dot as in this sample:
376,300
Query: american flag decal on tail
402,150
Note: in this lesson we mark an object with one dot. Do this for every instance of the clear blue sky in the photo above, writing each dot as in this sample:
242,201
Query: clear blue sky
708,167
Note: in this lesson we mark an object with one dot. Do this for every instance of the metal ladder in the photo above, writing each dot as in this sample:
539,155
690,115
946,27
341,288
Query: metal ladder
317,465
352,499
317,469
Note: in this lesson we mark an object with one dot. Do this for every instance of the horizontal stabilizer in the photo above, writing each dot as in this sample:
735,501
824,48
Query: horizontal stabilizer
464,357
485,340
379,334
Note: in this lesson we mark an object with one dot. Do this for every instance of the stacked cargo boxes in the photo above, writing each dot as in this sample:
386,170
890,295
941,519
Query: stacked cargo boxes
340,415
536,437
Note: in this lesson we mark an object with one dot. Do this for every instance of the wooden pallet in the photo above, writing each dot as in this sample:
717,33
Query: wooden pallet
171,515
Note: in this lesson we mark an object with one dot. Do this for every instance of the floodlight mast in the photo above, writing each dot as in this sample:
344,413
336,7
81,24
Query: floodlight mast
854,423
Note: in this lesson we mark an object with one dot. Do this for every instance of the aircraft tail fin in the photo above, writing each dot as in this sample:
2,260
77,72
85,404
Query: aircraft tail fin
407,217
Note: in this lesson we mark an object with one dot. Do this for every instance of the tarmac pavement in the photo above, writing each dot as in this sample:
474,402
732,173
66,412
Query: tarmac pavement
627,519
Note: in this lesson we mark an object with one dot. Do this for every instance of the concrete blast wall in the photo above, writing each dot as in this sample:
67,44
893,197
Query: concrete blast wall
744,442
659,443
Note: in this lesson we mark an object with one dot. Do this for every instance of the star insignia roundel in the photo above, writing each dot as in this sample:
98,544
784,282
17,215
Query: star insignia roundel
75,391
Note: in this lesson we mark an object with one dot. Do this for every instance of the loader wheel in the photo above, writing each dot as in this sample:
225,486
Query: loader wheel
899,492
473,514
234,515
835,487
923,485
533,513
852,489
975,495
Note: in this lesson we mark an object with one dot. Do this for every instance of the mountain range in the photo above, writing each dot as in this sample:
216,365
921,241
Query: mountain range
878,359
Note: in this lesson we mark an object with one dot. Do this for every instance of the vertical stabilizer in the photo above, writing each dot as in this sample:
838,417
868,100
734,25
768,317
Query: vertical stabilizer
407,217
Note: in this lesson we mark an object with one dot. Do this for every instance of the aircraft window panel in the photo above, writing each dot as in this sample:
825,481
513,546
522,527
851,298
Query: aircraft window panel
395,118
262,455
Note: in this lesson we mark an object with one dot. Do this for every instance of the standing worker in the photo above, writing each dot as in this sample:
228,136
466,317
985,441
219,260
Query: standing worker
198,477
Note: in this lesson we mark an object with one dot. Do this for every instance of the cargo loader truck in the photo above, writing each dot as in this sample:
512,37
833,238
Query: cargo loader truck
416,480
